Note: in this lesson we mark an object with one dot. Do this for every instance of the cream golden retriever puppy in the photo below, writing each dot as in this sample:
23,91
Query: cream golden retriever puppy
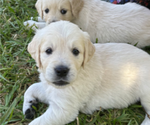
128,23
77,75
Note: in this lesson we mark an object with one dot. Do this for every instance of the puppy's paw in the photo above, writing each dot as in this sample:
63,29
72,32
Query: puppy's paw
29,23
35,25
39,19
30,109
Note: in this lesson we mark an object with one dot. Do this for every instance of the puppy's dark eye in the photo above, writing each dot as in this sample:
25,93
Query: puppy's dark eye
46,10
63,11
75,52
49,51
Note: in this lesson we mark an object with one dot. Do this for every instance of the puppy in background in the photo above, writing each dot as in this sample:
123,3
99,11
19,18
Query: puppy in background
77,75
106,22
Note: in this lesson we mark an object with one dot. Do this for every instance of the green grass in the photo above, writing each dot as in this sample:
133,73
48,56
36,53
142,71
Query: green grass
18,71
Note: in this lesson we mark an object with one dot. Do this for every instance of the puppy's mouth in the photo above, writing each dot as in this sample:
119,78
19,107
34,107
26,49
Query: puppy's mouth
60,83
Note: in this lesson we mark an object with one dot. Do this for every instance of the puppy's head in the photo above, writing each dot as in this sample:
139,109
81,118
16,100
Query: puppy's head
60,50
55,10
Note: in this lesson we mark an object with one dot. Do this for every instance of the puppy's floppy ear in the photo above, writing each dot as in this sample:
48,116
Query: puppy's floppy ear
34,50
38,6
89,49
76,6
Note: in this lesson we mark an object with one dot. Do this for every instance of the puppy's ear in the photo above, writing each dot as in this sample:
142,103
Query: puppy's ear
76,6
89,49
34,50
38,6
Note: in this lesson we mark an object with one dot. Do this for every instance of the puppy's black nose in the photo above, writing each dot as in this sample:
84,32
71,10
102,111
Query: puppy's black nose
61,71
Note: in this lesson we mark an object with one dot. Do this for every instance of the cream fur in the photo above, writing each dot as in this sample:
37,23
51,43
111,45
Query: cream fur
111,75
128,23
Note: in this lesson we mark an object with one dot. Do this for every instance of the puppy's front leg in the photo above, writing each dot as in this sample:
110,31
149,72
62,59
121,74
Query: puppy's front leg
57,114
34,92
146,120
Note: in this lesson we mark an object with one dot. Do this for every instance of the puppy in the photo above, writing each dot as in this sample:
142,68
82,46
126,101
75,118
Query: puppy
127,23
77,75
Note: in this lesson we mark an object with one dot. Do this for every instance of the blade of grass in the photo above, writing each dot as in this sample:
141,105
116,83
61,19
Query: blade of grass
10,109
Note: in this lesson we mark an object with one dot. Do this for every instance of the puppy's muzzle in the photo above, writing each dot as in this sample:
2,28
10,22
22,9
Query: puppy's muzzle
51,21
61,73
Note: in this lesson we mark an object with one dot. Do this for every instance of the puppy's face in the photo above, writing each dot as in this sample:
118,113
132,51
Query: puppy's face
55,10
60,50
